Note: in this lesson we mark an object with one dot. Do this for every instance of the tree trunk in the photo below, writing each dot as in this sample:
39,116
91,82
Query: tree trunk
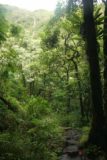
68,92
105,59
96,135
79,87
32,88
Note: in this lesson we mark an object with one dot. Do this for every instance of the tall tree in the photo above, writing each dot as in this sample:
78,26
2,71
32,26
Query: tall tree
96,135
105,57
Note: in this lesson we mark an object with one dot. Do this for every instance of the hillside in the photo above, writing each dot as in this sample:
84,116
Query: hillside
25,18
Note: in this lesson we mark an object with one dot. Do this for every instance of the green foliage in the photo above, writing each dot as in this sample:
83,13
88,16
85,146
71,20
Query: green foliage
3,25
38,107
46,137
85,134
8,121
13,146
15,30
95,152
40,80
26,137
70,120
50,39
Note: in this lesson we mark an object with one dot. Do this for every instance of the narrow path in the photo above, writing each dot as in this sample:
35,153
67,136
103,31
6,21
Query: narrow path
70,150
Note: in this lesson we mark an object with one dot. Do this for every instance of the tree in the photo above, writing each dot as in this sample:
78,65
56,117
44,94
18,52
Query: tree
96,135
15,30
105,57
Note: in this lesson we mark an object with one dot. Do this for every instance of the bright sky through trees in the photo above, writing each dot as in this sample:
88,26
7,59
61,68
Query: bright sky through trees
32,4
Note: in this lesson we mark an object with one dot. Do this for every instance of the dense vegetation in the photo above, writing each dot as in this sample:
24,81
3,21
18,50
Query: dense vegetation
53,69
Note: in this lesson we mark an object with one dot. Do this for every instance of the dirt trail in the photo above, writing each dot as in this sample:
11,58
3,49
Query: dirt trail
70,149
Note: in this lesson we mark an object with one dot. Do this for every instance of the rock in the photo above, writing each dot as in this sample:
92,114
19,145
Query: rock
70,142
76,137
65,157
67,128
71,150
71,133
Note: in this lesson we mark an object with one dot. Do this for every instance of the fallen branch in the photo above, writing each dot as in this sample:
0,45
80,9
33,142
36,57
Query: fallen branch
8,104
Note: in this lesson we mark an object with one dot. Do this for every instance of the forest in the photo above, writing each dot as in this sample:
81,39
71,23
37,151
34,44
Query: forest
53,82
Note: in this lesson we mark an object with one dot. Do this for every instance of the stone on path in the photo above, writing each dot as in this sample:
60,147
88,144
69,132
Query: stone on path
65,157
71,150
71,142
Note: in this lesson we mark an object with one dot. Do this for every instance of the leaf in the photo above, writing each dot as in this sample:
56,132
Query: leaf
100,21
97,13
